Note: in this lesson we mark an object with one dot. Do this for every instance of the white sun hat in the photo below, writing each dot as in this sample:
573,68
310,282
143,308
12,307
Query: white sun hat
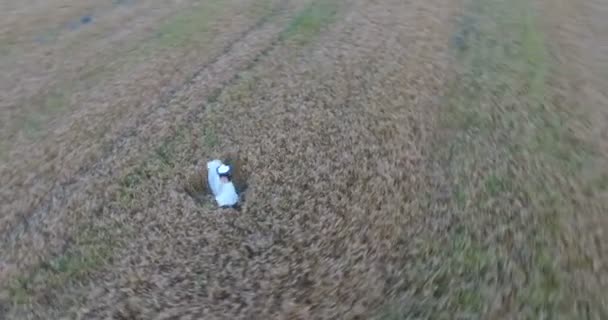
223,170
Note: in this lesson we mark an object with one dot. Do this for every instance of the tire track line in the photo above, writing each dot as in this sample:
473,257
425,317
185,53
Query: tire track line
203,84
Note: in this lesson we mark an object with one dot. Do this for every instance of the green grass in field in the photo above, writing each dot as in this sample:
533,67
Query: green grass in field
92,249
159,163
94,246
53,104
193,25
502,93
309,23
507,147
6,46
184,30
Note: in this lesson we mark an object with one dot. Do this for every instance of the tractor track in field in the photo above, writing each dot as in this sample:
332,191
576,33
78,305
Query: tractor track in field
407,159
358,95
123,138
202,85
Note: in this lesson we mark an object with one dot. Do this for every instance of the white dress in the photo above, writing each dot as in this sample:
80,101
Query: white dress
225,193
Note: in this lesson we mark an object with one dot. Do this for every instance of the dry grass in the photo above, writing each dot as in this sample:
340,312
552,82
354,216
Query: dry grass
109,113
511,158
389,174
